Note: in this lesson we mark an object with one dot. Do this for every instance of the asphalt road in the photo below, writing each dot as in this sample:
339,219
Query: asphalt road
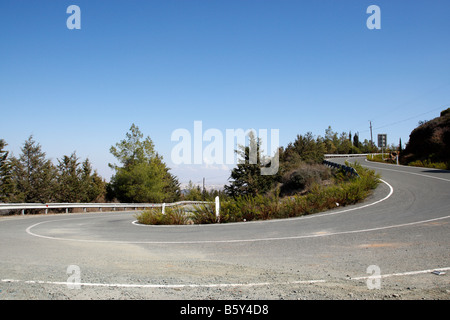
384,248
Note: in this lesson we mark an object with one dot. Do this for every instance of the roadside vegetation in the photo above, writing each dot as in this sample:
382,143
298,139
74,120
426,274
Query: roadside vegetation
340,190
302,184
175,216
390,157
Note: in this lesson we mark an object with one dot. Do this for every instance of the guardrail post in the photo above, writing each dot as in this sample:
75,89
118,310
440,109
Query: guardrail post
163,208
217,208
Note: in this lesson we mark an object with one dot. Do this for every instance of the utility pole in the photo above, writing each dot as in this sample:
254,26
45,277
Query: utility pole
371,138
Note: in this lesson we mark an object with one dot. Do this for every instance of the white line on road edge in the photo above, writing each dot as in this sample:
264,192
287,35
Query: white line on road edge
315,215
391,191
410,273
162,286
401,171
246,240
213,285
28,230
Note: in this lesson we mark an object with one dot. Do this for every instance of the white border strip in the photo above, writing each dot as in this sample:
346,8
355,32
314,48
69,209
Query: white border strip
214,285
401,171
391,190
28,230
162,286
410,273
315,215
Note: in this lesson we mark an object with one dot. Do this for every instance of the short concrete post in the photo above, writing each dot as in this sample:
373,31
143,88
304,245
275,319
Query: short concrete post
217,209
163,208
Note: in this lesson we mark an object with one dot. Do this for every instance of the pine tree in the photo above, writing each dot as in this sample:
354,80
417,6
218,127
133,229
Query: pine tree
77,182
6,184
68,188
305,148
331,141
143,176
246,178
33,175
93,188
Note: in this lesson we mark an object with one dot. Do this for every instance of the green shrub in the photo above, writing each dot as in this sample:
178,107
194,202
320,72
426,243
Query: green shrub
175,216
204,214
429,164
345,190
303,177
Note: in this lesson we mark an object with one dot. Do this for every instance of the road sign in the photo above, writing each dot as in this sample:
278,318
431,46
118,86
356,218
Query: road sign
382,140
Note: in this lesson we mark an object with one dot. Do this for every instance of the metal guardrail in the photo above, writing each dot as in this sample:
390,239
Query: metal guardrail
346,169
346,155
351,155
84,206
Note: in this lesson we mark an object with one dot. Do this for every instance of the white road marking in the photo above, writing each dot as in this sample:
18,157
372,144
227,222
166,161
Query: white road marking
391,190
315,235
214,285
28,230
401,171
161,286
410,273
316,215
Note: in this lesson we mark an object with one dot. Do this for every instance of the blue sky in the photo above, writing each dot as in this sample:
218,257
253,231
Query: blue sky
296,66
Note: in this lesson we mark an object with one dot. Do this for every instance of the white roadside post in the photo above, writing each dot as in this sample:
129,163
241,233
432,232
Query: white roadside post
217,209
163,208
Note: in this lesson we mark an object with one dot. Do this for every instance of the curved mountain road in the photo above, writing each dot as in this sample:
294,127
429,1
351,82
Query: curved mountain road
384,248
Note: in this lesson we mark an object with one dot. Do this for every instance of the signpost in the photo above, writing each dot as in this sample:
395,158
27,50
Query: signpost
382,143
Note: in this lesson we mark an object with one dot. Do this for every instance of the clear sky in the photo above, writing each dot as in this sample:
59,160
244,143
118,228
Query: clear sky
296,66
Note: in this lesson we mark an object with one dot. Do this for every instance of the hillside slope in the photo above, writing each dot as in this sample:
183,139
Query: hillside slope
429,143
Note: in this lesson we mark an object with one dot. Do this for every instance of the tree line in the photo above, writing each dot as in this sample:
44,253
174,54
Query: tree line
33,178
300,164
141,175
